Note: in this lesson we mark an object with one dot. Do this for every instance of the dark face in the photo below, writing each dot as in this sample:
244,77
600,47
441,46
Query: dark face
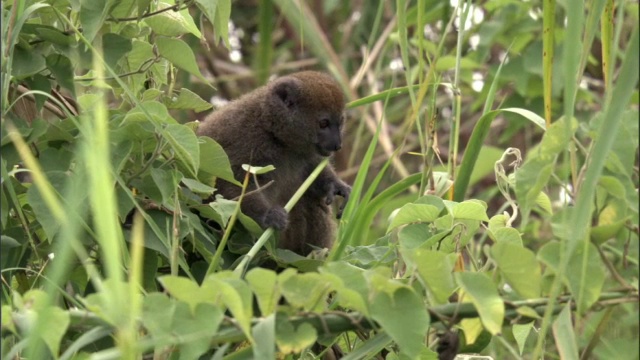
329,133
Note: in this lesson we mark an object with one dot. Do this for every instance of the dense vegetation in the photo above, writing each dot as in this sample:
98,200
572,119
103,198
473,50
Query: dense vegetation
492,148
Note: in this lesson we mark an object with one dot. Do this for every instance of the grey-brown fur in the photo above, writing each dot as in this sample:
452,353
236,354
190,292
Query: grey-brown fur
279,124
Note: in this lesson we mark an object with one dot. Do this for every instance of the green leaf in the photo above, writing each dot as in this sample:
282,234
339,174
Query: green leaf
564,336
544,202
180,55
585,273
189,100
172,23
264,333
258,170
164,317
404,317
93,13
115,47
185,144
188,291
167,182
292,340
263,284
224,208
158,112
236,295
521,333
214,162
26,63
519,267
198,187
435,269
53,323
352,289
485,297
307,291
62,70
507,234
42,212
413,213
470,210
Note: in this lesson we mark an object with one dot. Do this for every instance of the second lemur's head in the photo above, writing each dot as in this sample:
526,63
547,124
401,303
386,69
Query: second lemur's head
307,112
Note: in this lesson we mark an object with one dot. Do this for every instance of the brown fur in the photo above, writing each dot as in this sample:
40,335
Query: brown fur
279,124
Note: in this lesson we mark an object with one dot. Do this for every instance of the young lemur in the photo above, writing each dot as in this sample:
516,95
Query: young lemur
291,123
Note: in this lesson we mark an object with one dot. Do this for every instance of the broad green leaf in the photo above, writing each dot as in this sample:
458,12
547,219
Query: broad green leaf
611,220
198,187
214,162
353,290
472,328
164,317
167,182
189,100
485,297
521,333
41,210
414,236
158,311
263,284
435,269
585,272
179,54
403,315
172,23
60,67
307,291
185,144
115,47
109,302
26,63
292,340
199,325
158,112
544,202
497,222
53,35
93,13
209,8
519,267
236,295
52,326
224,208
264,333
528,312
188,291
481,339
218,12
48,323
470,210
413,213
507,234
565,338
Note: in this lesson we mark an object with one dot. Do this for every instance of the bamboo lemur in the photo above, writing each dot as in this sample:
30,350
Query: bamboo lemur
291,123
